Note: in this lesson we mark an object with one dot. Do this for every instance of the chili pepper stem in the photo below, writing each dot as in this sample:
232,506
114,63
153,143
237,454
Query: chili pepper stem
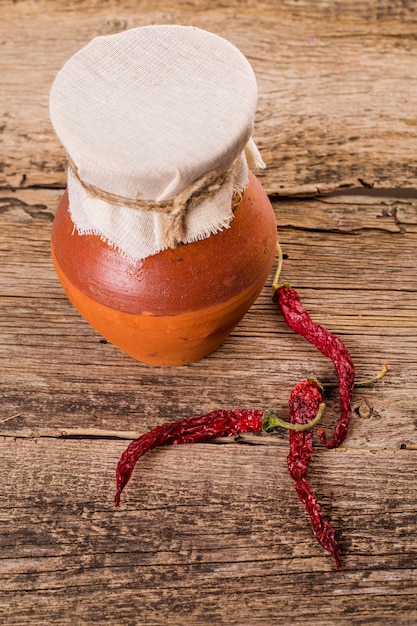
360,383
271,421
275,283
381,374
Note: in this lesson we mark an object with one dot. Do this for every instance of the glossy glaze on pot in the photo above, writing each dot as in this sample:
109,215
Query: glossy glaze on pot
176,306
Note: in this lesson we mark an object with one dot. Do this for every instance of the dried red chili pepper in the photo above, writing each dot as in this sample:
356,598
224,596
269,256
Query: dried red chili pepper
305,401
221,423
298,319
331,346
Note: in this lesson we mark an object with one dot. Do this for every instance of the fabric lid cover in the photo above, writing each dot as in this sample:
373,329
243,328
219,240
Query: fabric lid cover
144,115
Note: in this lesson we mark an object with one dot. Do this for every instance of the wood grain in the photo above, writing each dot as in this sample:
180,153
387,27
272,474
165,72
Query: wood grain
228,547
336,84
214,533
55,365
210,533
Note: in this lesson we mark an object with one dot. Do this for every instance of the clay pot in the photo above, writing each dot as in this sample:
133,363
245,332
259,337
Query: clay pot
176,306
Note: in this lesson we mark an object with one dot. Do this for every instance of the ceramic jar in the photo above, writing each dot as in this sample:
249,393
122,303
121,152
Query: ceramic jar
179,305
164,238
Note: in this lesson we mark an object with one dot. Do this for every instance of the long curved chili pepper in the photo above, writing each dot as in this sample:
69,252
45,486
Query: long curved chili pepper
305,400
298,319
221,423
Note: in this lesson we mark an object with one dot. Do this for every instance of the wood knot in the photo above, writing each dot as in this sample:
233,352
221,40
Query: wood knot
364,411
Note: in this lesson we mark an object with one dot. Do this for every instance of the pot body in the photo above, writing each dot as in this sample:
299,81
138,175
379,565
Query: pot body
176,306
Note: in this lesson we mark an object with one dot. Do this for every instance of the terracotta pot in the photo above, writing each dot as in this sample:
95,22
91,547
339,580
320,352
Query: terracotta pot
177,306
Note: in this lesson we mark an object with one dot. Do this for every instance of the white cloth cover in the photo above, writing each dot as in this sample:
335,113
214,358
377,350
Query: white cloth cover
144,114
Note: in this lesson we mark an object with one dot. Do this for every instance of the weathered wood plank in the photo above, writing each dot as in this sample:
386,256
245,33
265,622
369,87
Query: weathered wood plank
336,80
57,374
215,533
226,547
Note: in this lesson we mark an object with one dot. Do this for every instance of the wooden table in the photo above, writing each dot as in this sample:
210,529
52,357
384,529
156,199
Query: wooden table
215,533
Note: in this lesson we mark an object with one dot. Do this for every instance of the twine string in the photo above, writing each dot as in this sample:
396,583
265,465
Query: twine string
174,210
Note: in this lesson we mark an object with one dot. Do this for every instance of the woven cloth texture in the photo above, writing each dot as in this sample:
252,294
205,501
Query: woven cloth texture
144,114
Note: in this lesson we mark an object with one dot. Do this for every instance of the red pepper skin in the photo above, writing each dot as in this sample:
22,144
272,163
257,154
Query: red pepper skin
221,423
304,402
298,319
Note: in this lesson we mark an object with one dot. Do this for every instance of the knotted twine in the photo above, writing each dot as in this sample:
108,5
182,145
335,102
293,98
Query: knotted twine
174,210
158,123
